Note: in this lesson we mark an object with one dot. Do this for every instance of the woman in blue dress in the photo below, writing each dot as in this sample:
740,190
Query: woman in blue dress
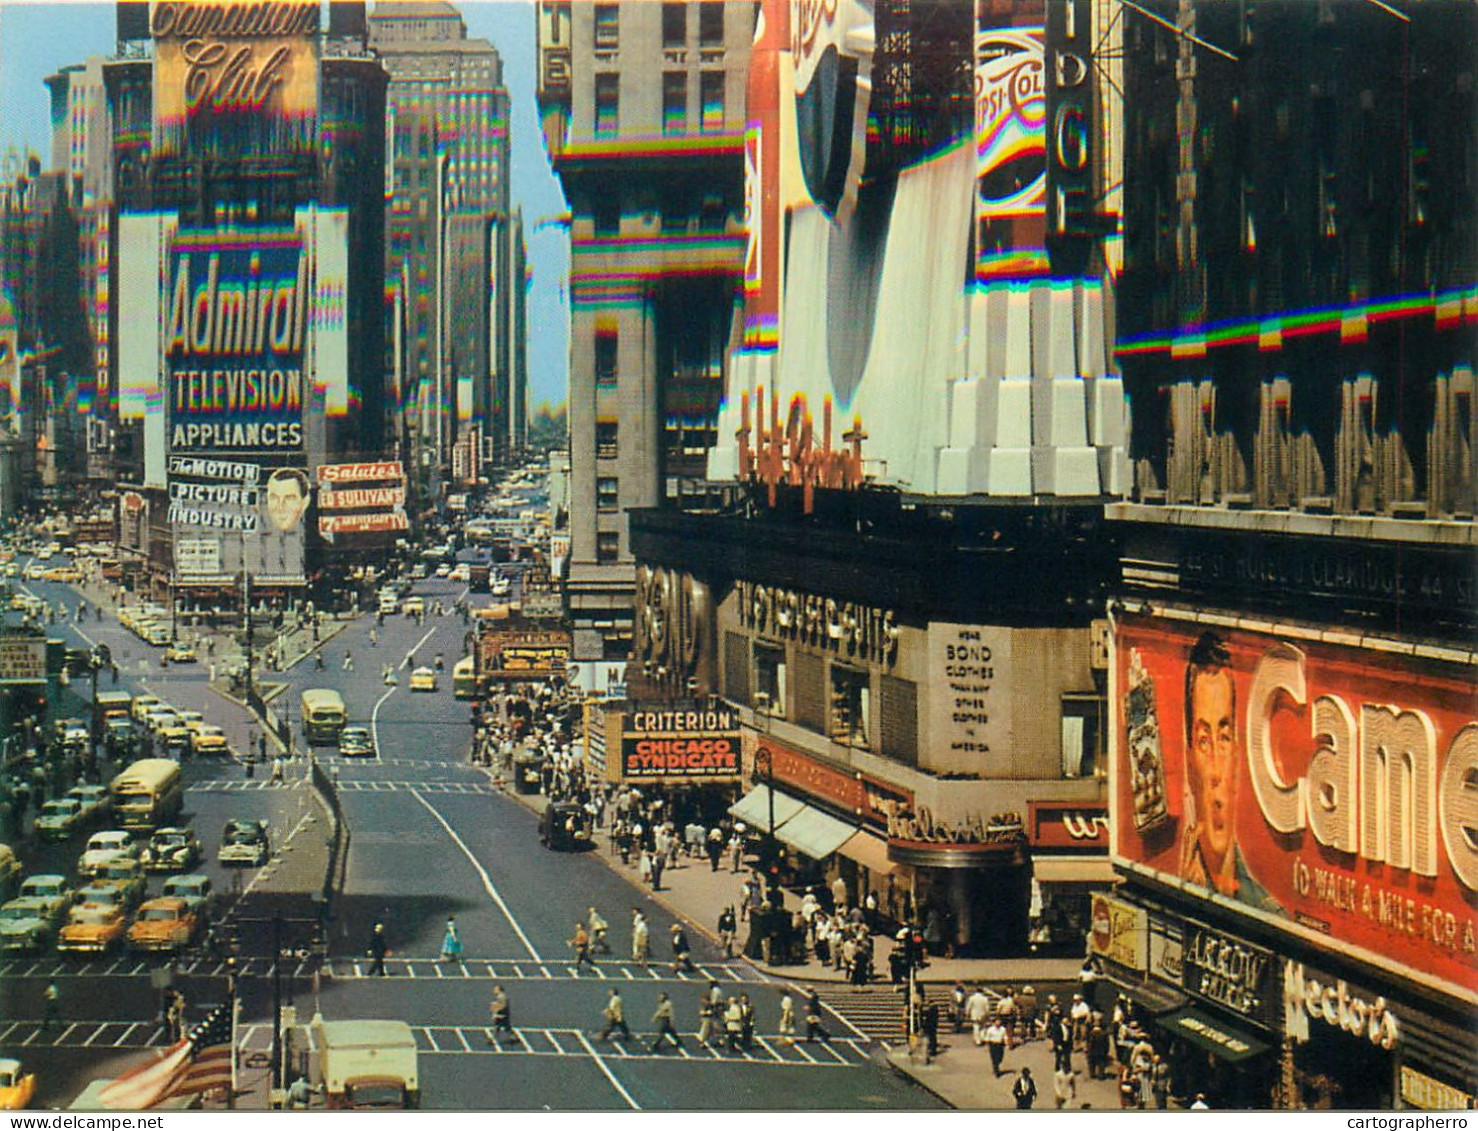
451,944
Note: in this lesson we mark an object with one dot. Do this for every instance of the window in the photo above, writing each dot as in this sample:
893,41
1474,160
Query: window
605,213
606,445
1082,715
607,493
769,680
607,104
605,357
850,695
607,546
607,26
674,25
711,85
711,25
675,102
736,667
898,719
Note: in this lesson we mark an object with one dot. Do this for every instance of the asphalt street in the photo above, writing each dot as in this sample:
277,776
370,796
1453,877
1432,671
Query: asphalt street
433,837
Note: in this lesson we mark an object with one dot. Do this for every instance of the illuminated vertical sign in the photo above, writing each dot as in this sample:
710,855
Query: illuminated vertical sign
1010,146
1071,137
235,325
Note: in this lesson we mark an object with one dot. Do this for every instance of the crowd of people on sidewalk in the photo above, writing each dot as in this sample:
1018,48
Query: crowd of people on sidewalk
1114,1044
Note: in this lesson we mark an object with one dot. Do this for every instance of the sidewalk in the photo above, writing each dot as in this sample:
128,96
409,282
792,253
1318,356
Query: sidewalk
960,1075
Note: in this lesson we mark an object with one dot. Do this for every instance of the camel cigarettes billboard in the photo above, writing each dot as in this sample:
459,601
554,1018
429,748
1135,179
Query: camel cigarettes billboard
1323,788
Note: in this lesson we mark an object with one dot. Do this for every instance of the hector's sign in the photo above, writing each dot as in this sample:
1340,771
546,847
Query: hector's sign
1325,788
1310,994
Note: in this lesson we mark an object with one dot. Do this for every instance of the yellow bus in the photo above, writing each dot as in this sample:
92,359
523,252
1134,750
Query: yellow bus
148,794
464,678
324,715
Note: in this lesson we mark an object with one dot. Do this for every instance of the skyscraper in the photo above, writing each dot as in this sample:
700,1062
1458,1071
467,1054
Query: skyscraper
448,229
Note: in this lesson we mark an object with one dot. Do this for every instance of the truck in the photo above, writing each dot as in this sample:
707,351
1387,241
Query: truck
366,1065
479,577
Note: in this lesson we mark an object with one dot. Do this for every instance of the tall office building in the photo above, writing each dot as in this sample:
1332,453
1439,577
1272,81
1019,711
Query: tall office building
1292,721
246,323
450,238
643,116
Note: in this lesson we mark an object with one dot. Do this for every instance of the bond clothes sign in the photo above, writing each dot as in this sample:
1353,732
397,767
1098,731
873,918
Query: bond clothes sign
681,744
1322,788
970,704
236,318
22,660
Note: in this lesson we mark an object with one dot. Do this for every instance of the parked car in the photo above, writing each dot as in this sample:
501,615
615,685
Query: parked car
244,842
105,846
59,819
28,923
195,890
94,928
356,742
51,887
165,923
171,849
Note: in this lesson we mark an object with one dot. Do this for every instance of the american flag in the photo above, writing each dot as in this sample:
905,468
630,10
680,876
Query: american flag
198,1063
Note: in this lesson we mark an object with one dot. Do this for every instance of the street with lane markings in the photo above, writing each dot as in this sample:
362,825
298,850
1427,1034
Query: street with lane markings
432,836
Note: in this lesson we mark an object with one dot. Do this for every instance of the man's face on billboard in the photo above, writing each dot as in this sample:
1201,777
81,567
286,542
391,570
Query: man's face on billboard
1212,763
285,501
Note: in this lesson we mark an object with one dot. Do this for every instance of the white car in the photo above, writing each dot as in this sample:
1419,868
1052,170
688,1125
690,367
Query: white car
442,570
461,572
106,846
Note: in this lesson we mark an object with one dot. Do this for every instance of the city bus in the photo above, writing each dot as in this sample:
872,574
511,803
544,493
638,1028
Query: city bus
148,794
323,716
464,678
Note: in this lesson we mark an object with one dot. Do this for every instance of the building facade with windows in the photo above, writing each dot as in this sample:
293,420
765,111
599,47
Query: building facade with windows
455,254
1293,684
643,116
901,590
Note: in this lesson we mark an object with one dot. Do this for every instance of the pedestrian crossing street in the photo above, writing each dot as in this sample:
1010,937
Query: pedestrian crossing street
345,785
255,1041
476,1040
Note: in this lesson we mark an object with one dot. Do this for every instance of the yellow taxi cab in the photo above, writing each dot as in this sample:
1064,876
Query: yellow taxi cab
206,739
94,928
180,653
166,923
17,1086
423,679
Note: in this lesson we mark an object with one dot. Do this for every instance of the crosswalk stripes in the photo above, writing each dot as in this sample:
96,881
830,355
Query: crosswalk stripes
82,1034
345,785
477,1040
469,969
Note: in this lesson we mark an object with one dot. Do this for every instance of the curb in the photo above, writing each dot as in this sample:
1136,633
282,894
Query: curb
898,1069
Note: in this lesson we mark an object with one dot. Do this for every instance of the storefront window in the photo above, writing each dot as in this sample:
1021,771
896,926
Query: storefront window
769,680
850,696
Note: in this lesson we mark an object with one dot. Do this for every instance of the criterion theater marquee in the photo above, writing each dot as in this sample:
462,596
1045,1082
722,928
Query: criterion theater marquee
681,744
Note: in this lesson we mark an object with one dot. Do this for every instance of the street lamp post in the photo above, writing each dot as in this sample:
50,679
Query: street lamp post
764,768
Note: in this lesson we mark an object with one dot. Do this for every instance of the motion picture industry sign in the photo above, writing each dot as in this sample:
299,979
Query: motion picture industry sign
232,515
681,744
237,323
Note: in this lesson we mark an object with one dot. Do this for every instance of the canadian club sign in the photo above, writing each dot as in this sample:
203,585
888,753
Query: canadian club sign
672,745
